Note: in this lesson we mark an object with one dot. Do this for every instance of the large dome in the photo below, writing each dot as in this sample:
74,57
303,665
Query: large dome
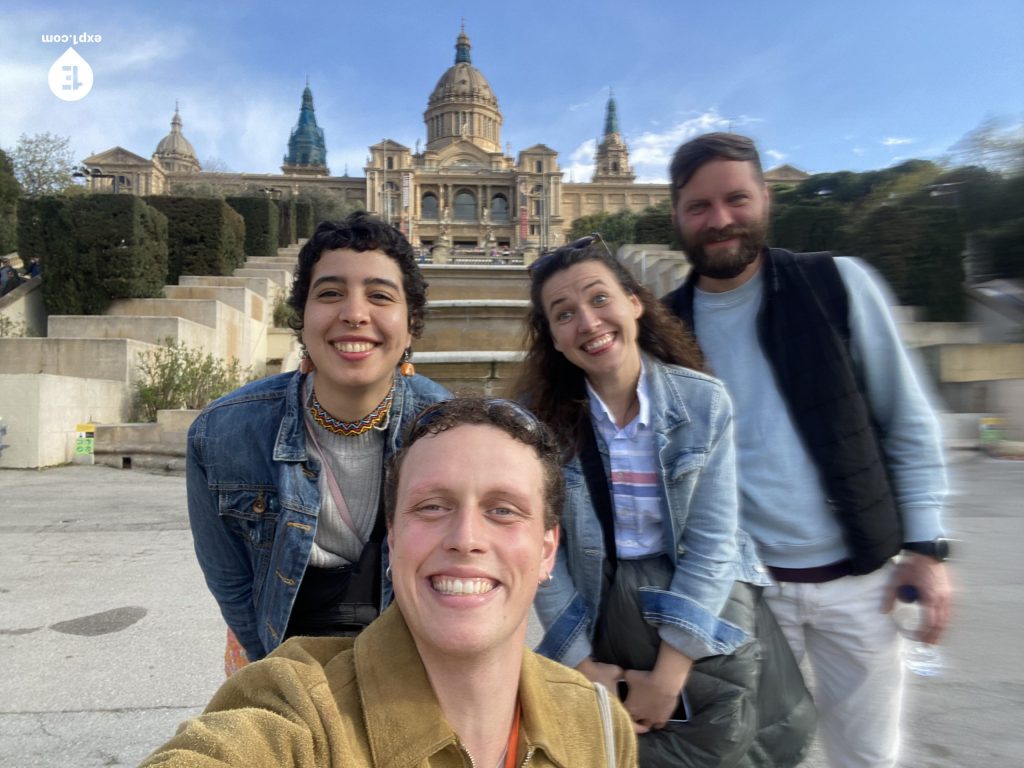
174,150
463,81
463,106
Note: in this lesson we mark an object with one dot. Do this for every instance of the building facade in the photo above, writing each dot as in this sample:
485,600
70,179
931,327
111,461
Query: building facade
461,191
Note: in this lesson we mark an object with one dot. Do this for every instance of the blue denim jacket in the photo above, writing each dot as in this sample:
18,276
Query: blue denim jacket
692,420
254,499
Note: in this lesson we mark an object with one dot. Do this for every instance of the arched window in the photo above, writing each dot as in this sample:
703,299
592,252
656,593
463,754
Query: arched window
428,207
391,163
499,208
465,206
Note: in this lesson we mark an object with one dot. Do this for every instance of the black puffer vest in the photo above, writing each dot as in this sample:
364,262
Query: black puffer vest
804,332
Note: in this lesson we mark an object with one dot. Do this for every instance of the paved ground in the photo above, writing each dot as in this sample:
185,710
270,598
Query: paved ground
108,637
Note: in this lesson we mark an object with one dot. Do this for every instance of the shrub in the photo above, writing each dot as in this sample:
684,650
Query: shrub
304,222
94,249
205,236
287,225
177,376
283,311
261,224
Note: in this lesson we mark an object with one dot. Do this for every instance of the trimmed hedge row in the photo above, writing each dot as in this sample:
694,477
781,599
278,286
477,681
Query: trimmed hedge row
261,224
205,236
287,224
304,222
94,249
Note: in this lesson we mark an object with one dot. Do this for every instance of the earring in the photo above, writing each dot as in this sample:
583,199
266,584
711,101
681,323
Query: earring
306,362
387,573
407,368
546,581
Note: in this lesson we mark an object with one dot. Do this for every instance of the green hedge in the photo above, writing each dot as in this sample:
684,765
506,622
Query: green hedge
9,189
94,249
261,224
287,225
304,223
205,236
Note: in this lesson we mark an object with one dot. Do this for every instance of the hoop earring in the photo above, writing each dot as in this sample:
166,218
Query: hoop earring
407,368
306,364
387,573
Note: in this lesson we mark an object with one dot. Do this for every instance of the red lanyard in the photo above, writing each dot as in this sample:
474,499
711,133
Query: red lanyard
513,740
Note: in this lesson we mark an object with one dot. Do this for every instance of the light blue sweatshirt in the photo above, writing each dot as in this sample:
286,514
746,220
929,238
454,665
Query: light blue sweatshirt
782,499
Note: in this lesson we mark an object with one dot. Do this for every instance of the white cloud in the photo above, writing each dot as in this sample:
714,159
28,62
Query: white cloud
651,151
581,162
775,155
896,141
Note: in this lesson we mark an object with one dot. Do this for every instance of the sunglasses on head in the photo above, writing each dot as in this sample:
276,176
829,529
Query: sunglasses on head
449,414
576,245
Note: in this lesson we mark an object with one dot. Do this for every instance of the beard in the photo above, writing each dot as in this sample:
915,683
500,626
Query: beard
725,263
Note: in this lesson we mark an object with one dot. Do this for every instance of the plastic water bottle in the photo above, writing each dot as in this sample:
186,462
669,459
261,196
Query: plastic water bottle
919,657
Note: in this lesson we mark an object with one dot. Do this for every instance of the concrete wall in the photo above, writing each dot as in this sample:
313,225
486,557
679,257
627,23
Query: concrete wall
481,373
41,412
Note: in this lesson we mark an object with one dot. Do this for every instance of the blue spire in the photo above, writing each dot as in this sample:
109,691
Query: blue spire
462,46
306,143
611,115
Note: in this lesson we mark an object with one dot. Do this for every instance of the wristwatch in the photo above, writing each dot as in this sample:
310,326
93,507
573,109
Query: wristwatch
937,549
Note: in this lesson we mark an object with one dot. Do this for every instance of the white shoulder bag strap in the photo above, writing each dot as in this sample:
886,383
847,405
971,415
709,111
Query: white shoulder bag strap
606,721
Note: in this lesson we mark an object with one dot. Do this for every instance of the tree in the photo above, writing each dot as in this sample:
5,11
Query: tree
9,190
995,144
43,164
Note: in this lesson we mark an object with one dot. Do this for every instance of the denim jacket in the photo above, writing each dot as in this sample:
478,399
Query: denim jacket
254,499
691,418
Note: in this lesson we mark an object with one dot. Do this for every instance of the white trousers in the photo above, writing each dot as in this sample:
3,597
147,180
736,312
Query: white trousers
856,654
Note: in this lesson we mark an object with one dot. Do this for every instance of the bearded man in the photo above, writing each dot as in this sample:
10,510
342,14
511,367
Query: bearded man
840,464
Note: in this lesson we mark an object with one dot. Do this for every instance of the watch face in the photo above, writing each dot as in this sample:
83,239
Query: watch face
942,549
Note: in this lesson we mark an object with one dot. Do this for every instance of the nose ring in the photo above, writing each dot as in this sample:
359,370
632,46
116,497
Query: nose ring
356,324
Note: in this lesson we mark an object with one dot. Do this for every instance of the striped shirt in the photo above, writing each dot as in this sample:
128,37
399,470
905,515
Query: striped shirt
636,491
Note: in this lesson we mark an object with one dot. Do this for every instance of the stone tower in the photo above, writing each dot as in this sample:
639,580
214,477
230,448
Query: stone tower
611,163
307,153
463,106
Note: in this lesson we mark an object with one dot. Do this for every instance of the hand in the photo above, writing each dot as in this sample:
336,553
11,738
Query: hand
935,592
651,700
607,675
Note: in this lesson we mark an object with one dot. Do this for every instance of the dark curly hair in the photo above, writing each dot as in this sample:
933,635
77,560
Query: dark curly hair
554,388
361,232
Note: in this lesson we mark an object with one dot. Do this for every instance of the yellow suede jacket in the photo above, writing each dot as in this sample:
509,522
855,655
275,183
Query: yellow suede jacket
331,701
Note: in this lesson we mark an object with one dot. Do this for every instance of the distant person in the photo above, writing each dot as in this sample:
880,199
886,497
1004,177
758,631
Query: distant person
35,269
285,474
9,277
655,584
443,677
840,461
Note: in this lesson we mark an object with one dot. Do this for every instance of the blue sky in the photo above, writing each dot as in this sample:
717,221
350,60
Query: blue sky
822,85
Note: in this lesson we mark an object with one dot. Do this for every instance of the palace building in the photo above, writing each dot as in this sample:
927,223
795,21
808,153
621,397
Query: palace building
460,190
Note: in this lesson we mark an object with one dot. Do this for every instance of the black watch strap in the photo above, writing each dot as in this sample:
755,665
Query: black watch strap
937,548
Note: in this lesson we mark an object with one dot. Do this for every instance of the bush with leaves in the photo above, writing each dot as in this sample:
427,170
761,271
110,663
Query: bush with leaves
177,376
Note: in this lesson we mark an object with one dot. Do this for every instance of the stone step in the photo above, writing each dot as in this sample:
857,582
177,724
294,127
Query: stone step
491,373
280,277
153,330
261,286
473,325
451,282
239,297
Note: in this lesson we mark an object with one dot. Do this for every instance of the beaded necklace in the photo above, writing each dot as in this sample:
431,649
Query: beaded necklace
374,419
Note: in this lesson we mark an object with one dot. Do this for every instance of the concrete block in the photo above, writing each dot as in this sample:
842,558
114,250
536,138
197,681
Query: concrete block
113,359
41,429
154,330
258,285
281,277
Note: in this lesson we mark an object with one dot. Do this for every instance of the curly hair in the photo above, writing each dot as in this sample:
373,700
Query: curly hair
553,387
359,231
